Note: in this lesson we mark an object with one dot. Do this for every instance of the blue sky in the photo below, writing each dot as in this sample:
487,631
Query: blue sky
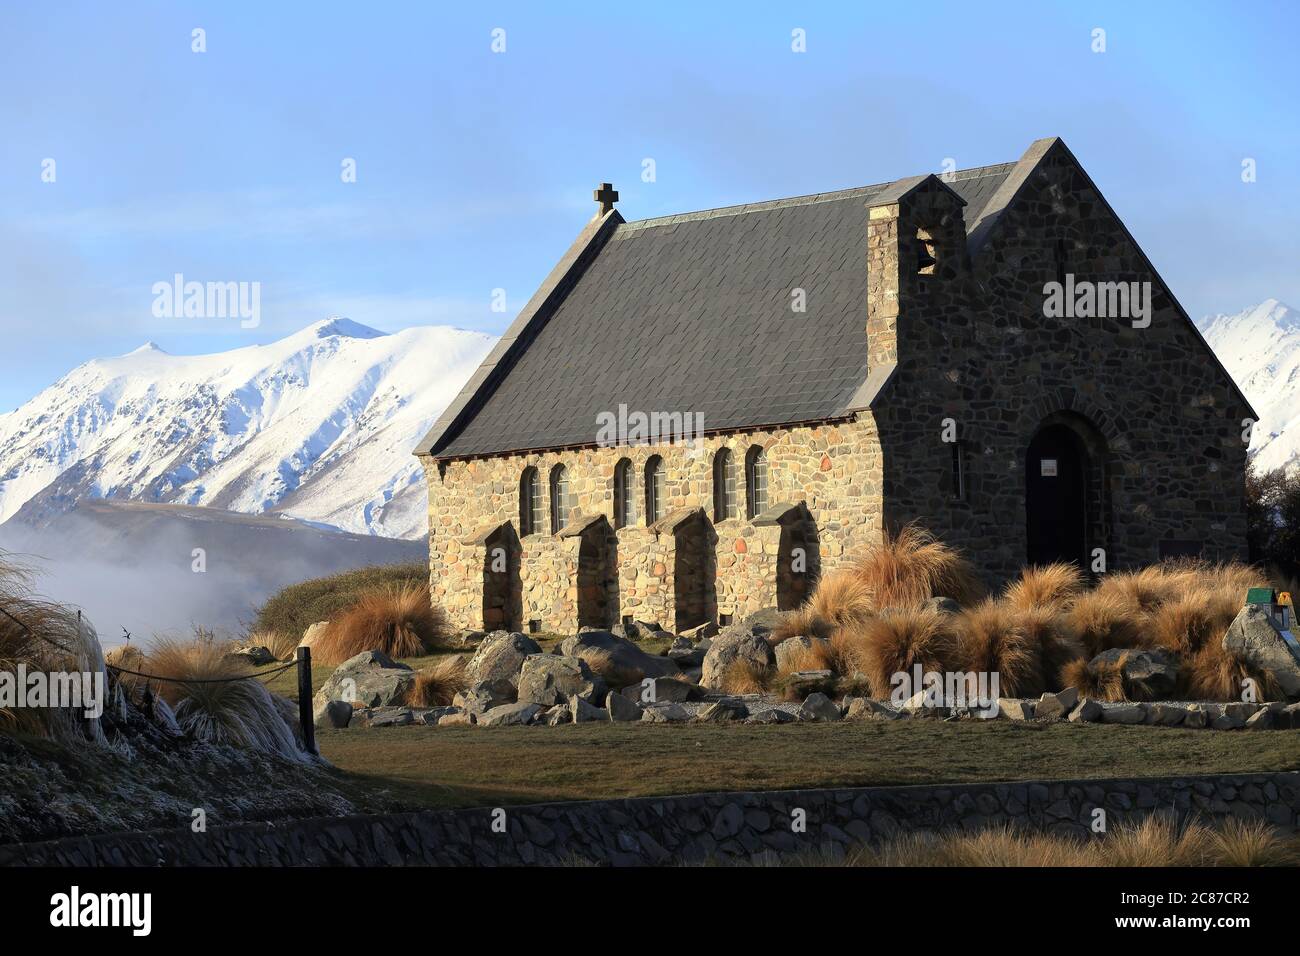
475,168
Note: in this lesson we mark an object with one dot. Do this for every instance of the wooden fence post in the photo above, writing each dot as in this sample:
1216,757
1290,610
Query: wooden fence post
304,700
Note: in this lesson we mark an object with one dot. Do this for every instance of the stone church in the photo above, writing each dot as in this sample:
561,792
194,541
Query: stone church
987,352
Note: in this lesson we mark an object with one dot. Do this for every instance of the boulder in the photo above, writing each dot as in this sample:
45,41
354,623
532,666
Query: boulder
581,711
1227,722
864,708
621,708
1195,717
371,679
700,632
509,715
549,680
802,683
386,717
1154,668
658,690
1123,714
665,713
762,622
313,633
458,719
819,707
255,654
773,715
636,630
1058,705
500,656
685,654
555,715
333,713
1260,720
1086,712
1014,708
1166,715
482,696
616,657
734,645
722,711
432,715
944,605
1255,638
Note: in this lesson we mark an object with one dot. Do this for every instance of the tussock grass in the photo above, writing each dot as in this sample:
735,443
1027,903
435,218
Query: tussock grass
51,638
841,598
895,642
1103,680
435,686
1101,619
1051,586
283,646
993,638
904,569
210,700
746,677
1212,673
399,620
297,607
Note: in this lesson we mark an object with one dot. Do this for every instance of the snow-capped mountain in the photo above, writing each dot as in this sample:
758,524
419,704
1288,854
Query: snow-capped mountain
1260,348
318,426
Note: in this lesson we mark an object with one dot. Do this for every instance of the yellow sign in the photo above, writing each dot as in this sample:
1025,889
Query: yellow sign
1284,597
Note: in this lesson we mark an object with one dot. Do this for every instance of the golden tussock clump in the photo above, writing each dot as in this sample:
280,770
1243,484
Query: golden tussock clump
746,677
905,569
1213,673
894,643
435,686
216,699
1050,586
1194,619
840,598
993,638
401,621
1099,620
1100,680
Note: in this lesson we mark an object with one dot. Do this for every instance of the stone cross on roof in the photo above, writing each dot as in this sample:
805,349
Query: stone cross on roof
605,196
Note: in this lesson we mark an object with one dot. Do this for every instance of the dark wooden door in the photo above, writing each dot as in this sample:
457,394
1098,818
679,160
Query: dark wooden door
1056,498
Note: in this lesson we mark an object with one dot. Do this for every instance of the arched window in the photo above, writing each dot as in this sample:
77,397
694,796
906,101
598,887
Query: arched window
560,504
654,489
530,503
724,485
624,512
756,481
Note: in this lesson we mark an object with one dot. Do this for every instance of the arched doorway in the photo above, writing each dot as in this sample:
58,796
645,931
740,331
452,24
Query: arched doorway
1057,473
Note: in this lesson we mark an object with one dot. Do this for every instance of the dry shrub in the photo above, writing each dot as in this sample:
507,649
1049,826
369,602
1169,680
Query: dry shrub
1100,620
47,637
1103,681
1051,586
905,569
840,598
746,677
1194,619
992,638
126,655
1251,843
215,699
1142,591
400,620
894,643
1056,646
1157,841
817,657
436,686
283,646
1213,673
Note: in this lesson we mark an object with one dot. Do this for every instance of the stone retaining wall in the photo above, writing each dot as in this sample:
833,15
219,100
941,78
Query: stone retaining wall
658,830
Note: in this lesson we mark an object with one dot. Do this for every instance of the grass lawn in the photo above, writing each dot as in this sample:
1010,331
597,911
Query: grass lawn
449,767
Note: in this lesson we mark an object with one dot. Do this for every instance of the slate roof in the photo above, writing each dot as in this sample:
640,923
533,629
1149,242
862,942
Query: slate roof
691,313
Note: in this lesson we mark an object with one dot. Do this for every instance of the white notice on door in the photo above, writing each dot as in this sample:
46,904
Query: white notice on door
1047,467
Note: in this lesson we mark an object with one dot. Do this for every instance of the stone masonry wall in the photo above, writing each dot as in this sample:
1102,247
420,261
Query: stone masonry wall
665,830
834,468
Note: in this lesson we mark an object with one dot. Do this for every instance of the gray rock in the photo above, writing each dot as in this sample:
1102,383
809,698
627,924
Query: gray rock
667,689
734,645
944,605
555,715
1227,722
387,717
1261,720
1241,710
773,715
254,654
630,661
510,715
1014,708
333,713
482,696
1086,712
819,707
700,632
1123,714
458,719
1154,668
803,683
621,708
432,715
688,656
1254,637
581,711
549,680
722,711
1289,716
1165,715
665,713
500,657
371,679
1195,717
864,708
1056,706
